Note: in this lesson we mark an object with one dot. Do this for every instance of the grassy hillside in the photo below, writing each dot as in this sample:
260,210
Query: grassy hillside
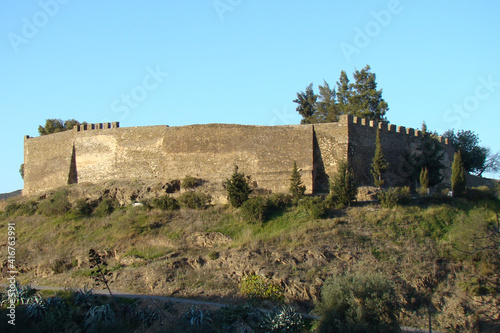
436,252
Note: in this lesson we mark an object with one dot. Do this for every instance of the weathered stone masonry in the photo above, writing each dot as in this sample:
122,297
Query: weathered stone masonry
99,152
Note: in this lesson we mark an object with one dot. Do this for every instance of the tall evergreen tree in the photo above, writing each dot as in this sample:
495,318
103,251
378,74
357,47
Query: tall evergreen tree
296,187
307,105
424,177
367,100
237,188
457,175
360,98
379,164
327,108
343,186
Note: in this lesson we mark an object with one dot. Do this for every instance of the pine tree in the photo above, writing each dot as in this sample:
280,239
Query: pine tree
296,187
379,164
343,186
457,175
237,188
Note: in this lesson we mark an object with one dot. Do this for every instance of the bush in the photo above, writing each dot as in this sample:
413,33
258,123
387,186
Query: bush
237,188
56,204
194,200
26,208
105,207
343,185
190,182
357,303
480,193
279,201
84,208
314,206
165,202
394,196
283,319
254,210
258,288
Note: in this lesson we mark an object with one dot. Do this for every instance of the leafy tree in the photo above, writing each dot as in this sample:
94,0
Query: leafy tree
379,164
343,186
360,98
21,170
473,155
237,188
457,174
296,187
57,125
492,163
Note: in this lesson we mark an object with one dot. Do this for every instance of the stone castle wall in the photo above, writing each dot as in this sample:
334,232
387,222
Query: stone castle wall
100,152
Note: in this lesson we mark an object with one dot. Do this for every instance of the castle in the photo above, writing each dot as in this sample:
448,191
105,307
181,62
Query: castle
95,153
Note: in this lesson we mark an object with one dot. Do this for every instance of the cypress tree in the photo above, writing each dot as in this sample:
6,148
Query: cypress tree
343,186
457,175
237,188
424,177
379,164
296,187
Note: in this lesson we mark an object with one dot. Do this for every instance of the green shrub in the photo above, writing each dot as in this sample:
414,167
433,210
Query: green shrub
343,185
56,204
25,208
279,201
190,182
259,288
394,196
358,302
194,200
165,202
237,188
254,210
480,193
314,206
84,208
105,207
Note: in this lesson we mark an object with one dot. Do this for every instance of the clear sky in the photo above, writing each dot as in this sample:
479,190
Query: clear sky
241,61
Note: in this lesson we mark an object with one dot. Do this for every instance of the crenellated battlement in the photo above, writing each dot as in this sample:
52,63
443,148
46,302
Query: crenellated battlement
96,126
383,125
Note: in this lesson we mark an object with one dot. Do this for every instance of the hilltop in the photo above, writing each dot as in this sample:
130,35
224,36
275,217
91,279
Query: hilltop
205,253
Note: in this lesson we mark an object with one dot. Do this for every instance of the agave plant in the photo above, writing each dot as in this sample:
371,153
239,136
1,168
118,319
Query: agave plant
283,319
85,296
99,314
146,317
197,317
37,308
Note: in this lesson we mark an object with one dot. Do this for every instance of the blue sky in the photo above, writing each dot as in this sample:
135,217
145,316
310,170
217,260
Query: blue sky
240,61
